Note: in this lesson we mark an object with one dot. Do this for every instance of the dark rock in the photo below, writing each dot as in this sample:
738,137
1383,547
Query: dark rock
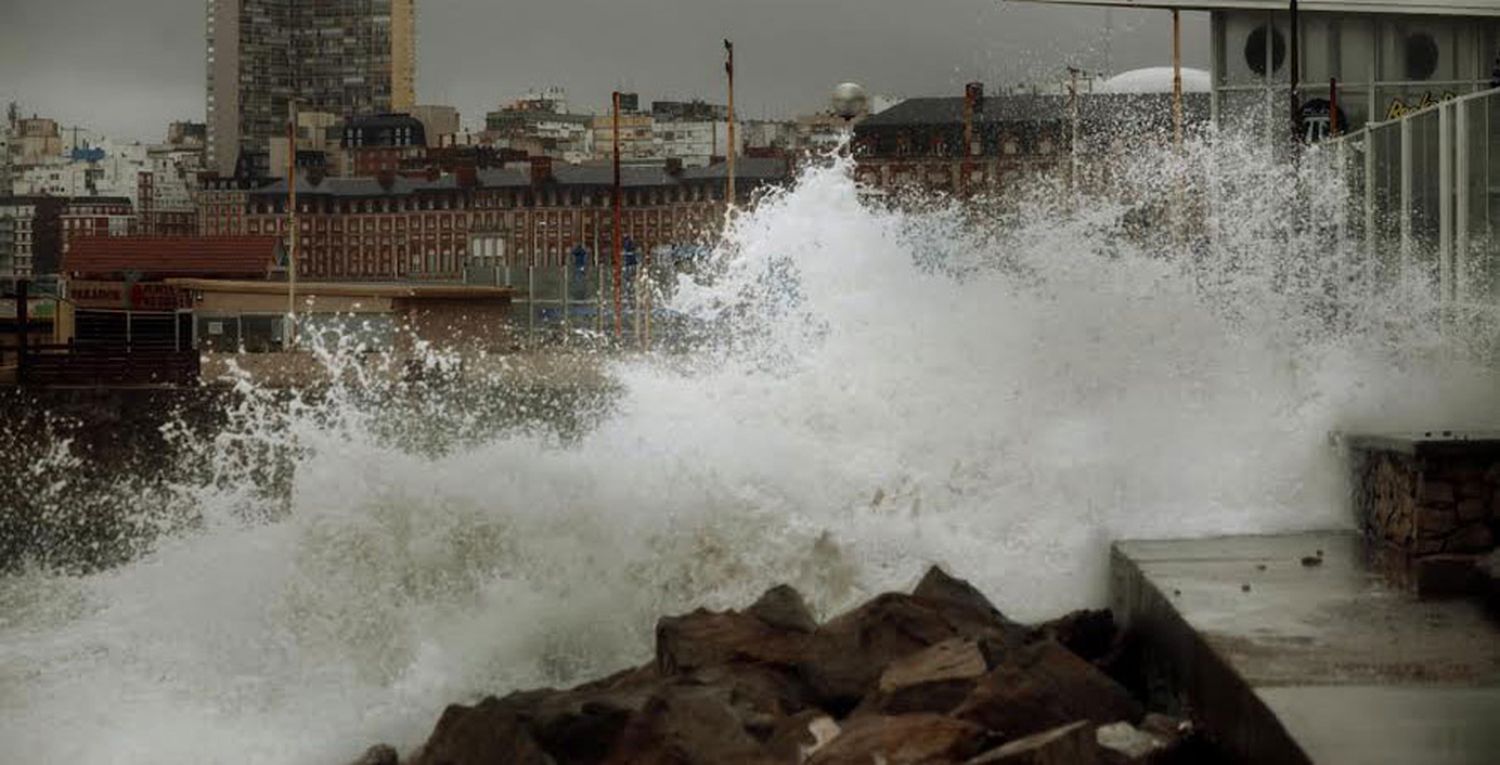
1311,561
934,679
782,606
380,754
487,733
952,659
920,739
1472,510
1436,522
848,653
1435,492
959,599
1071,744
706,638
688,725
1475,537
1090,634
1043,686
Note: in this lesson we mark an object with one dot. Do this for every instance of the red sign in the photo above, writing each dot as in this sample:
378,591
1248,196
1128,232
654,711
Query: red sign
132,297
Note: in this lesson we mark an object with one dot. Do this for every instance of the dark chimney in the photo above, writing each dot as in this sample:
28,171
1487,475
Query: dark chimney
386,179
466,176
674,167
541,170
974,94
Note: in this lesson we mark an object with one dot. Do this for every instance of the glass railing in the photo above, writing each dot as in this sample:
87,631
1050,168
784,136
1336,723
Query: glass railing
1424,195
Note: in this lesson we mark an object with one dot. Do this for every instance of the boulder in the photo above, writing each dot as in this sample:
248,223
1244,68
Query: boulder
848,653
707,638
783,607
489,732
1043,686
687,725
968,610
1474,537
934,679
1071,744
1089,633
924,739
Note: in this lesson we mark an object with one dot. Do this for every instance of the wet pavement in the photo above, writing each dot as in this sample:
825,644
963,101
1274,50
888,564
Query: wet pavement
1291,646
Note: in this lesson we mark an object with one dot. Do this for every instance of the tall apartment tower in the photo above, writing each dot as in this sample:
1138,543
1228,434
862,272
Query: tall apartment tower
344,57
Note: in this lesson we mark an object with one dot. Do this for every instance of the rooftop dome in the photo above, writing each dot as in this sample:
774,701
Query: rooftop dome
1156,79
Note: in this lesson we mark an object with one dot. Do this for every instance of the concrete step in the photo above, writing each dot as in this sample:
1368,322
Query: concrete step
1289,649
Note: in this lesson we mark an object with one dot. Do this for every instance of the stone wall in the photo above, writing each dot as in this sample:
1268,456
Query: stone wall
1429,506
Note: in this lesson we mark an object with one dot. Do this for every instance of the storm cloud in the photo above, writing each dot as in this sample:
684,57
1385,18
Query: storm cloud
128,68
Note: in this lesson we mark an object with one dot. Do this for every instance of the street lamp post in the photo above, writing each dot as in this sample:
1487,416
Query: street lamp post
291,212
730,151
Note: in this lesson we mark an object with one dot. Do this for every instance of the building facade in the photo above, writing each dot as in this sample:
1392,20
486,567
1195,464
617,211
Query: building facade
399,229
979,144
31,237
85,217
345,57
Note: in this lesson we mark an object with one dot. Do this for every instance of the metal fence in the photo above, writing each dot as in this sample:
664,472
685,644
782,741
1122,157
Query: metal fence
578,302
1424,194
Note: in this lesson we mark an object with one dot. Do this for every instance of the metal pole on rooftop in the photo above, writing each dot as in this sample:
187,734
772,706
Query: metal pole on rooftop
730,151
1177,79
1073,149
1295,74
1333,107
963,166
615,253
291,213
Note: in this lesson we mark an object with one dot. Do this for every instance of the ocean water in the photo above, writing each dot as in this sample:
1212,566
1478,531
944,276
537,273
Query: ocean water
1000,389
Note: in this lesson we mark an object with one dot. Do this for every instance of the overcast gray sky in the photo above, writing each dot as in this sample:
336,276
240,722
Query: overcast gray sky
128,67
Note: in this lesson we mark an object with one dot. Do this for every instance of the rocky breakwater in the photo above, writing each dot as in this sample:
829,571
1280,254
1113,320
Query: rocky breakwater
938,676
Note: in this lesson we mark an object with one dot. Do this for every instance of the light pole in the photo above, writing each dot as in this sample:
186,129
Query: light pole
849,101
291,212
730,152
615,252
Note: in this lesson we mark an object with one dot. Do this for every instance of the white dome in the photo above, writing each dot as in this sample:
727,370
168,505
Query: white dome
1156,79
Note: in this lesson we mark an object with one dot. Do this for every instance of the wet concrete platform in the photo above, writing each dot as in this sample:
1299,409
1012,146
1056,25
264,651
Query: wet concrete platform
1316,661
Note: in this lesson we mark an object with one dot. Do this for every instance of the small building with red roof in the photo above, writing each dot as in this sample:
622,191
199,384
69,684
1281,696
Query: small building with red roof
145,258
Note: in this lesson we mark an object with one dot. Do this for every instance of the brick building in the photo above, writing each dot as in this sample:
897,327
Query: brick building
382,143
96,216
921,141
397,228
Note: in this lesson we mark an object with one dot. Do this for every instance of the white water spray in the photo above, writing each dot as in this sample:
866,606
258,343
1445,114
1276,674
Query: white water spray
886,391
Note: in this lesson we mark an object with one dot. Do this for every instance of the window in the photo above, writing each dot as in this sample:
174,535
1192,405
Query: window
1255,49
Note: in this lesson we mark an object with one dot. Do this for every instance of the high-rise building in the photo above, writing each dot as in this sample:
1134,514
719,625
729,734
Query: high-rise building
345,57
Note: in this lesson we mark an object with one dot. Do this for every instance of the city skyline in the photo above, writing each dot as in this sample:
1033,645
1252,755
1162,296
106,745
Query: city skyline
150,70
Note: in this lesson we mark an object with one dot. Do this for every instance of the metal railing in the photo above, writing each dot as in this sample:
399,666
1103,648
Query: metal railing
1426,188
